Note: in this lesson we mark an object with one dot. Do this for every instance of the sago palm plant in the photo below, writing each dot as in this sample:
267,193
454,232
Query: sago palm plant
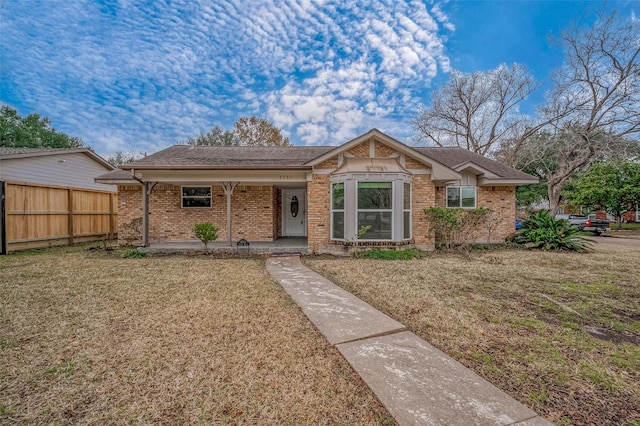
543,231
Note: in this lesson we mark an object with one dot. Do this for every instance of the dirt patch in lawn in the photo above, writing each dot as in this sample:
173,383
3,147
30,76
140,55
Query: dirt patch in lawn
519,319
91,339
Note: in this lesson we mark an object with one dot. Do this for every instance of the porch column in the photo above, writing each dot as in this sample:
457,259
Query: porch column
228,190
147,187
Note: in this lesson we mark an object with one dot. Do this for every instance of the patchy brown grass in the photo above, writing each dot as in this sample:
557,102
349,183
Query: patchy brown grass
518,319
91,339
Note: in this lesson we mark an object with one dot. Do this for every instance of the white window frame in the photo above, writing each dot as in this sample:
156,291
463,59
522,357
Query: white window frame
358,210
406,185
460,188
344,218
193,197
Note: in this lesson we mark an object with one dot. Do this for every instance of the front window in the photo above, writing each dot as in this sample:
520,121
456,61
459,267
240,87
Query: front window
196,196
375,209
406,212
337,210
461,197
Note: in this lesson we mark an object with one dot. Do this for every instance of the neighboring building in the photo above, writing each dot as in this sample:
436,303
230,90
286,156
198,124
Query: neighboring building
74,168
322,193
49,197
632,215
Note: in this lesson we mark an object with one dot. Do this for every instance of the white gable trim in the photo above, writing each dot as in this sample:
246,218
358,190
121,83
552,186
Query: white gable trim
471,167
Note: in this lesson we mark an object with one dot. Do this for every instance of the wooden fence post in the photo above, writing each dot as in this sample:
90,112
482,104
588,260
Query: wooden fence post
111,227
70,215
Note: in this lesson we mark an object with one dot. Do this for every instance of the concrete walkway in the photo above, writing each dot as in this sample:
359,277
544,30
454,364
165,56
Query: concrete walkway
416,382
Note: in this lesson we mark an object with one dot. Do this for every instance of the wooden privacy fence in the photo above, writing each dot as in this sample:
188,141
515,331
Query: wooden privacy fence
42,216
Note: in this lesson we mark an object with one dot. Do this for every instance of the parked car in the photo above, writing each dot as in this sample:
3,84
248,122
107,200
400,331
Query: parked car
519,223
597,226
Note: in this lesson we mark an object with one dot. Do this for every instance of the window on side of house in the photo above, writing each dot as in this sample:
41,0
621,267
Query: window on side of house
337,211
196,196
406,211
375,209
461,197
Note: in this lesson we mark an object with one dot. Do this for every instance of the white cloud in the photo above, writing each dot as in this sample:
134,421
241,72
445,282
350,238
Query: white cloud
141,77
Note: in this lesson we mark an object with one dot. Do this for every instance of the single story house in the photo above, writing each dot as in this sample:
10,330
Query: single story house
322,193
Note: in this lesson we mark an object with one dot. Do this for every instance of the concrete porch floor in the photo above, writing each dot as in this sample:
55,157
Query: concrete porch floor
281,245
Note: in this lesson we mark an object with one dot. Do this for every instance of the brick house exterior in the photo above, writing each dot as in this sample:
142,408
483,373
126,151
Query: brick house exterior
322,193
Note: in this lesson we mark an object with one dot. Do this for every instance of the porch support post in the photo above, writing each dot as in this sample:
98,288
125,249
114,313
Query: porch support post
228,190
147,187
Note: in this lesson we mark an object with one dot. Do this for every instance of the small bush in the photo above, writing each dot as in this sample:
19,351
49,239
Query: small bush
457,228
206,232
543,231
133,254
382,254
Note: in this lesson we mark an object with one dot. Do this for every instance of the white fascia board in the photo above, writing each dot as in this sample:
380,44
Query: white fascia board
506,182
470,166
210,176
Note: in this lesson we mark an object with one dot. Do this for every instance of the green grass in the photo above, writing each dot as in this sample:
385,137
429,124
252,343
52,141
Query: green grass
519,319
89,337
383,254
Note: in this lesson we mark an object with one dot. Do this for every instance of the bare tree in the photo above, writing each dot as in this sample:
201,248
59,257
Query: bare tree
479,111
253,131
598,92
120,157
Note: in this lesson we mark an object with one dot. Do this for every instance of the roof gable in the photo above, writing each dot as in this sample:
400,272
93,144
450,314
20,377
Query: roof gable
438,170
464,160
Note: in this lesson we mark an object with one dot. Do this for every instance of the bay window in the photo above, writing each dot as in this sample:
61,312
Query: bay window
375,209
337,211
381,202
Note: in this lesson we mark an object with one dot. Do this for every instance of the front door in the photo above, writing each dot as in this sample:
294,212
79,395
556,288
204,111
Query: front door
294,213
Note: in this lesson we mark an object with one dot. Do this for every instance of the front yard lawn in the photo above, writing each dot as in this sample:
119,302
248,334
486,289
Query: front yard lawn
520,320
95,339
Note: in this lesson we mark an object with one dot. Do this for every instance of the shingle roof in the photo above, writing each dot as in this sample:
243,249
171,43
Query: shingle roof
261,157
454,156
117,174
10,153
17,151
230,156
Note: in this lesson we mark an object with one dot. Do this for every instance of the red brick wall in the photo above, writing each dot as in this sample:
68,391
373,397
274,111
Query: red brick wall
423,193
383,150
253,213
502,200
362,150
318,212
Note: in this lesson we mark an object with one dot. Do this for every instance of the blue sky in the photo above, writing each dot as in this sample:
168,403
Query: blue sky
129,75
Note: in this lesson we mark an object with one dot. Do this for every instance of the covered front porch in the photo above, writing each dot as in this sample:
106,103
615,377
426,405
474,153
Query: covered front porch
281,245
267,208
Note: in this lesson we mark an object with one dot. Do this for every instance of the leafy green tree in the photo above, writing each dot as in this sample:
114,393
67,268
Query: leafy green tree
612,185
32,131
217,136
